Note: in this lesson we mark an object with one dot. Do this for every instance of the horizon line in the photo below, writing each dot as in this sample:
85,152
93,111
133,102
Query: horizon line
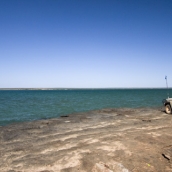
72,88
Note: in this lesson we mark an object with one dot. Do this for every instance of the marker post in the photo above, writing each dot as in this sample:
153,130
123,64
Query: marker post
167,86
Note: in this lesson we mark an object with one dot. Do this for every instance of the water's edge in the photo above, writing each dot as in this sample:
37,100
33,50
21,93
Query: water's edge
29,105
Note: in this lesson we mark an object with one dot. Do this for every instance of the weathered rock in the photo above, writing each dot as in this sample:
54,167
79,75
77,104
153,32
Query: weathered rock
110,167
167,152
108,140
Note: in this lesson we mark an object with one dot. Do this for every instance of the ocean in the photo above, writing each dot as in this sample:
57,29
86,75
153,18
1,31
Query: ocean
29,105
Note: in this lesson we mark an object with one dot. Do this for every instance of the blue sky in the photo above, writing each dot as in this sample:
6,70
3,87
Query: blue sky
85,44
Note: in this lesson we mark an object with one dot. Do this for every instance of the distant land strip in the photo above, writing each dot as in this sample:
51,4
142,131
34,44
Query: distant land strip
82,88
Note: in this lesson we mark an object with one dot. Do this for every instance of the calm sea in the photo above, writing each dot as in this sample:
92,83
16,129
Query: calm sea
28,105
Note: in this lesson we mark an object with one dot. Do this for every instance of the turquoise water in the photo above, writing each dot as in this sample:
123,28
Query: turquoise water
28,105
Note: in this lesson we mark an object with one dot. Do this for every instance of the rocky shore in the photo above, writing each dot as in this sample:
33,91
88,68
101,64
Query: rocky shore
108,140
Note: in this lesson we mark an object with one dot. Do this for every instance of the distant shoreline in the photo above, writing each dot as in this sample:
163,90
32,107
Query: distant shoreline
82,88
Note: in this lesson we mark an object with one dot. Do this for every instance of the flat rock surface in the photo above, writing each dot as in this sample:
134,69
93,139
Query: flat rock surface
107,140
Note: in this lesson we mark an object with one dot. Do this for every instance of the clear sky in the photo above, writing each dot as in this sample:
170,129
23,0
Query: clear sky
85,43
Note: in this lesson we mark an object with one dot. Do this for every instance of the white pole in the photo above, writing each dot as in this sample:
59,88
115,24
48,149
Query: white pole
167,86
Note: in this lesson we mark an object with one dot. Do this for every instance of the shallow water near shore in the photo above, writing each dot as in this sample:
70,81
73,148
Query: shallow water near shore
28,105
